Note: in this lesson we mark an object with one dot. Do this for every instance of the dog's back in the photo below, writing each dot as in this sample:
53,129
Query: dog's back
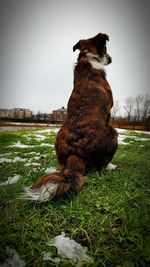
86,141
86,131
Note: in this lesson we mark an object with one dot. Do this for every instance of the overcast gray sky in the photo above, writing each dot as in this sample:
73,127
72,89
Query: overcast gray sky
36,57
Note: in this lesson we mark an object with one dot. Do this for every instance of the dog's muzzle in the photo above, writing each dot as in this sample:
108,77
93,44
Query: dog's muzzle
108,59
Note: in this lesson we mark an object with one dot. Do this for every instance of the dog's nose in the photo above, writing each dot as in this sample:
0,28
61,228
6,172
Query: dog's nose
109,59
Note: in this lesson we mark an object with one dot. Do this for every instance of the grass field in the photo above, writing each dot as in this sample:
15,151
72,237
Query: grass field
110,215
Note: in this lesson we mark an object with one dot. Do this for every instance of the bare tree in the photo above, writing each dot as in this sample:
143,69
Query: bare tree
115,109
38,115
146,107
138,103
129,105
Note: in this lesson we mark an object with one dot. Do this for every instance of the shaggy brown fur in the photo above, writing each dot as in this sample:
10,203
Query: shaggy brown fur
86,140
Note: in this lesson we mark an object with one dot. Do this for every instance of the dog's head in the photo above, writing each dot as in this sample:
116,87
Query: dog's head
95,50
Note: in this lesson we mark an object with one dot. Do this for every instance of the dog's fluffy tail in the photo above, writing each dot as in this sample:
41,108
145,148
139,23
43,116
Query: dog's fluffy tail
58,183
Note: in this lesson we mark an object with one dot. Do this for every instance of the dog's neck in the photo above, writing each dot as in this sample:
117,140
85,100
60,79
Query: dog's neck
92,59
96,65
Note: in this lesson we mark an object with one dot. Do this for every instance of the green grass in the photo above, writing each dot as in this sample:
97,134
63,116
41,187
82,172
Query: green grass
110,215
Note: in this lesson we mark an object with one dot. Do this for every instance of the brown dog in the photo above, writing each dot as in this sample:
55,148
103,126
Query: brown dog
85,141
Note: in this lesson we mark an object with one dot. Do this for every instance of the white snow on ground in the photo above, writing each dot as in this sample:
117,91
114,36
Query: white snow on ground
5,154
50,170
32,152
28,123
11,180
135,137
123,134
50,130
35,164
141,139
19,145
45,144
40,137
121,131
2,160
14,259
37,157
142,132
32,163
37,137
67,248
121,140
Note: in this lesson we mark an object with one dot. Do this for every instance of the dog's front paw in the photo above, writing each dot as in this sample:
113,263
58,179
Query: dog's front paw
110,167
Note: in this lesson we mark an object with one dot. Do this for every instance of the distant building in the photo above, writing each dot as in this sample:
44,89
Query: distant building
19,113
5,113
27,113
59,115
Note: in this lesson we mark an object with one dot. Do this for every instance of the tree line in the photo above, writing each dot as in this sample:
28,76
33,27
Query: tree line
136,109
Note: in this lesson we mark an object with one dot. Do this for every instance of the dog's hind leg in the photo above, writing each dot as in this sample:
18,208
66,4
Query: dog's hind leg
107,148
110,149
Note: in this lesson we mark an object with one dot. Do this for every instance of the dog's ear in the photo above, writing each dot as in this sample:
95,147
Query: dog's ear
76,46
81,45
101,38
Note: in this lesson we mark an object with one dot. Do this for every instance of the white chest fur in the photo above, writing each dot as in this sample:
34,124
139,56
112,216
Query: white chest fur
96,62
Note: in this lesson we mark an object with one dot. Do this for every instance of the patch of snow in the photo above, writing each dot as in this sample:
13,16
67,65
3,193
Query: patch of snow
136,138
48,257
37,157
45,144
123,143
35,164
121,140
11,180
68,248
40,137
14,259
32,163
9,128
19,145
142,139
50,170
2,160
33,152
5,154
27,164
50,130
123,135
122,131
123,155
28,123
110,167
142,132
132,137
